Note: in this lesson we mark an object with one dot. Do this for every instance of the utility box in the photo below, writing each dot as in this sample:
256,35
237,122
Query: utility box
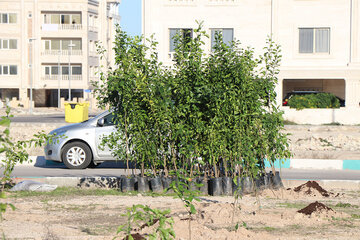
76,112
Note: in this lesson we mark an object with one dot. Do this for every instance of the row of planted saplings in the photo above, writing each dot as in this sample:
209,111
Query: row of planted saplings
212,186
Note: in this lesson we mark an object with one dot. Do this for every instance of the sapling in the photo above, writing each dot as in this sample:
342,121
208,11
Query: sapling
183,190
13,153
140,216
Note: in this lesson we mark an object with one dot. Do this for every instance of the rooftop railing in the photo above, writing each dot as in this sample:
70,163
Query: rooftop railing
62,77
60,27
62,52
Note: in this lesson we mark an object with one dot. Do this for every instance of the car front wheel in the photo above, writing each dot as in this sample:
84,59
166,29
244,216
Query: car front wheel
76,155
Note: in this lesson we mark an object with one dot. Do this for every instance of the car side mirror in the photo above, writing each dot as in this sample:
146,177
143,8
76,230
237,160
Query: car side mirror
100,122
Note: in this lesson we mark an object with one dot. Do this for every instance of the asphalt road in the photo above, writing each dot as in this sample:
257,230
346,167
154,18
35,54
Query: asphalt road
113,169
50,118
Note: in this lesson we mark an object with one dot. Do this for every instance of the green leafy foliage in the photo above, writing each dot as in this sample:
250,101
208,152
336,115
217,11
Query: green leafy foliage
140,216
213,114
13,153
318,100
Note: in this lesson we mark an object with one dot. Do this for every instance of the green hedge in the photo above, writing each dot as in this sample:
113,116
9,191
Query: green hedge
316,100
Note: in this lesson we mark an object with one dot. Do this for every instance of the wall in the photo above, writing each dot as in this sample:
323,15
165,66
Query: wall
347,116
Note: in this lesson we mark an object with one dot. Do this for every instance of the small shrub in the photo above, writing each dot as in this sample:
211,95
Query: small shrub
318,100
346,205
140,216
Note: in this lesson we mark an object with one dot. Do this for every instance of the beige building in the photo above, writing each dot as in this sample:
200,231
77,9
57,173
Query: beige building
320,42
50,45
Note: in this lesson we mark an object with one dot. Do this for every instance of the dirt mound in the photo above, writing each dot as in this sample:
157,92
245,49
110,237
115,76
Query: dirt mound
312,188
315,207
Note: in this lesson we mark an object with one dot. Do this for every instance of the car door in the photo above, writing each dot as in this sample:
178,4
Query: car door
105,129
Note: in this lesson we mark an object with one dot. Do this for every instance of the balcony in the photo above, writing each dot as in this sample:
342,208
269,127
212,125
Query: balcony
60,27
61,52
62,77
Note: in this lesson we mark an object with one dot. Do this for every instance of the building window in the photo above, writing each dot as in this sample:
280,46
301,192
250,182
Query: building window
8,43
8,69
5,70
76,70
314,40
55,44
185,33
13,43
51,70
8,18
227,35
74,18
65,70
4,18
5,44
12,18
13,70
62,44
54,70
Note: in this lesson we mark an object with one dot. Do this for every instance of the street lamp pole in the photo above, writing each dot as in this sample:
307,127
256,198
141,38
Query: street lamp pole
31,75
59,71
70,47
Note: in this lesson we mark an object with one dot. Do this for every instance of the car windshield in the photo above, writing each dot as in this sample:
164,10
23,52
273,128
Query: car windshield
109,119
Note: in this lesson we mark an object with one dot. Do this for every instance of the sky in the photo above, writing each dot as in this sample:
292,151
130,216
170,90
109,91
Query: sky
130,12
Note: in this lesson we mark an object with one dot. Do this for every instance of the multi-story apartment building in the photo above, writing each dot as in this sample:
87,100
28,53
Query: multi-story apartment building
48,47
320,42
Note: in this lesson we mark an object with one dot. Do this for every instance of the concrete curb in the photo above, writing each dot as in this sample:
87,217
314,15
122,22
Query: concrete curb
114,182
320,164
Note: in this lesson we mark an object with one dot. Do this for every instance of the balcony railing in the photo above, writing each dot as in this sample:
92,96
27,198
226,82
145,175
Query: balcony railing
62,77
58,27
62,52
94,79
93,54
93,29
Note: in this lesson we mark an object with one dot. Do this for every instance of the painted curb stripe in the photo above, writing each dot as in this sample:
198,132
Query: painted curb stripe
285,163
351,164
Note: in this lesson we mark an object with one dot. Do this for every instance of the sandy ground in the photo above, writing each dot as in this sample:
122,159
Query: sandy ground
324,142
270,215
